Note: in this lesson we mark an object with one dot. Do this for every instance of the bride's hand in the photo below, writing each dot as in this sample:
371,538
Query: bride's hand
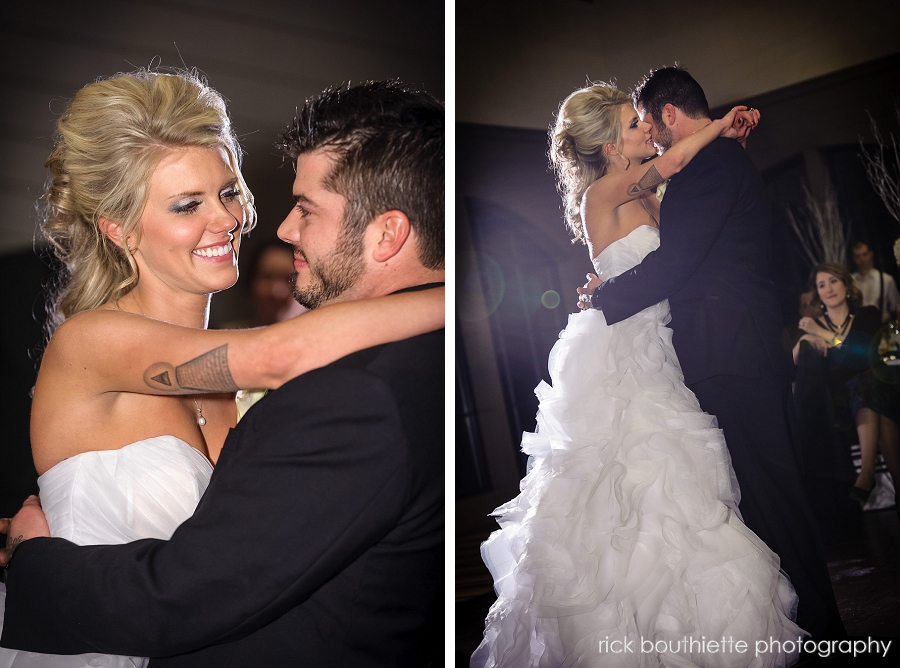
739,122
28,523
585,292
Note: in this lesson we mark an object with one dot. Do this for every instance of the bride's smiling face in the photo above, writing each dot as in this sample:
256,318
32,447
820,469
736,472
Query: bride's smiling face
636,142
190,227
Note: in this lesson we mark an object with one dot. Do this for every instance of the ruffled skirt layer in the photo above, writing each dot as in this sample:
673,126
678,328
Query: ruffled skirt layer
625,546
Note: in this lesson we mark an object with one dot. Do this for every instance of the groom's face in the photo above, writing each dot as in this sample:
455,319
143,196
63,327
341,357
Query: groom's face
328,259
660,134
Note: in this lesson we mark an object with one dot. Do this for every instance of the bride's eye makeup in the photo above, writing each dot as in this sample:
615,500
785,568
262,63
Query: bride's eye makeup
190,205
230,194
230,191
185,206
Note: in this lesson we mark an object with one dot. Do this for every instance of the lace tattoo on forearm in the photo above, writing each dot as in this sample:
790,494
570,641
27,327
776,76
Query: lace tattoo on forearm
650,180
207,373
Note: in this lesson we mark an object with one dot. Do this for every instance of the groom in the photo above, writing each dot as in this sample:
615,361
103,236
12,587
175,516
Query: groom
319,541
713,267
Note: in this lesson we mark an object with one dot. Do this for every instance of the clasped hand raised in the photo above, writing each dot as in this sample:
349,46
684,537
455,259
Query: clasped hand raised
739,122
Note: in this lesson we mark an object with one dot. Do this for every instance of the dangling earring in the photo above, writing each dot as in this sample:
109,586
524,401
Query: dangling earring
132,265
627,161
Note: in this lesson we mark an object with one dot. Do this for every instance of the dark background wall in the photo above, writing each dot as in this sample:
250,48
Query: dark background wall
264,56
516,59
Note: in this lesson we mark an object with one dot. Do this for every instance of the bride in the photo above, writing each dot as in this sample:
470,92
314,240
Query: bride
145,208
625,546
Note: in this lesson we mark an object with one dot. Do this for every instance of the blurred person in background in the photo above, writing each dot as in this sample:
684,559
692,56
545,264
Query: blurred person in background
877,287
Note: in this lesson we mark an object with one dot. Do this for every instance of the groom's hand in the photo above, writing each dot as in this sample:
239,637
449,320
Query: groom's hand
585,292
28,523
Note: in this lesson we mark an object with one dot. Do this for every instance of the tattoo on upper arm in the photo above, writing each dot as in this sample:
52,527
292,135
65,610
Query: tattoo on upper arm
207,373
649,180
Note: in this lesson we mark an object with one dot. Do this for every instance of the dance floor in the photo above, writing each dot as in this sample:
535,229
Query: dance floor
865,574
864,567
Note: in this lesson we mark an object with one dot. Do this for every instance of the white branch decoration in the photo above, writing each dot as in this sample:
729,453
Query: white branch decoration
822,235
883,171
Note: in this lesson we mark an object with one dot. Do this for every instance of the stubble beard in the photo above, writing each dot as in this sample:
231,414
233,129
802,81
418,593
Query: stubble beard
333,275
664,138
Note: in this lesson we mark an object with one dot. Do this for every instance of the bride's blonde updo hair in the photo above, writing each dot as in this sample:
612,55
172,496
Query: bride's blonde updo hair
108,141
587,119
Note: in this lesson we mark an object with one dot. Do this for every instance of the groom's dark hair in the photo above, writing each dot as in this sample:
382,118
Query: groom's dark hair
670,85
387,140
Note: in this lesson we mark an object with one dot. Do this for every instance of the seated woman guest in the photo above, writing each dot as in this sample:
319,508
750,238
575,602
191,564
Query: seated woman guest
834,358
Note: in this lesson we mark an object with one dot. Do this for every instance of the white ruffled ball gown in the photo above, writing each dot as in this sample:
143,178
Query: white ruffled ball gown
627,525
143,490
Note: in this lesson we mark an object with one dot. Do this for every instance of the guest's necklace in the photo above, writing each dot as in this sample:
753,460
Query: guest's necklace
839,332
201,421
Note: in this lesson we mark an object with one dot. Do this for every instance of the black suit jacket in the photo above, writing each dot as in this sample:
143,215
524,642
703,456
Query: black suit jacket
319,541
713,265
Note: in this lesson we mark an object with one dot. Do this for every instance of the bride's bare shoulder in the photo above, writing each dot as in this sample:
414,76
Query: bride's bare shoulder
87,331
596,192
601,218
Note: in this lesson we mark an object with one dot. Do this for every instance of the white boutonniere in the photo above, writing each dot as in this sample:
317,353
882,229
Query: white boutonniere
245,399
661,190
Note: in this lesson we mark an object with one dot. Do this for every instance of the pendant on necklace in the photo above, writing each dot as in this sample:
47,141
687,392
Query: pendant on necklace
201,421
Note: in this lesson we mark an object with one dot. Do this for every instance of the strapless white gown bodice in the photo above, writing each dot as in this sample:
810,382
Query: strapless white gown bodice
627,526
144,490
627,252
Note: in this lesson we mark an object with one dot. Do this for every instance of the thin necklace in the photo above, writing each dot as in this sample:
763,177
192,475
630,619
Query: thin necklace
201,421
